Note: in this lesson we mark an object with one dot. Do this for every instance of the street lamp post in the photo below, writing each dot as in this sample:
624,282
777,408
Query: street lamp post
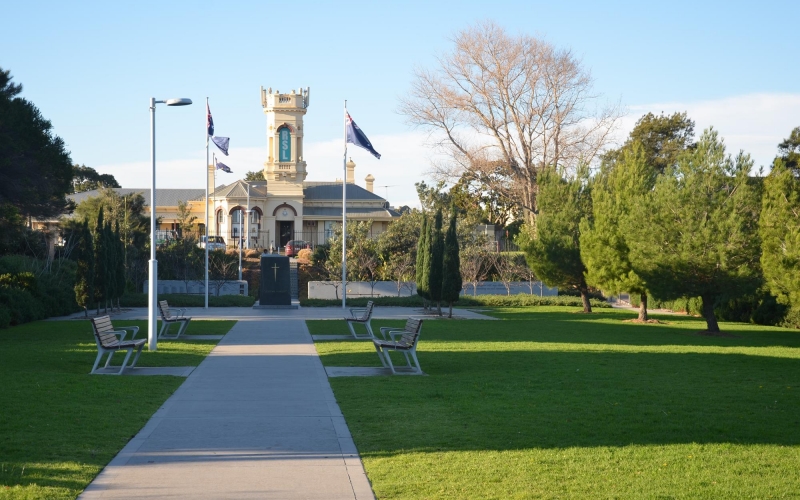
152,285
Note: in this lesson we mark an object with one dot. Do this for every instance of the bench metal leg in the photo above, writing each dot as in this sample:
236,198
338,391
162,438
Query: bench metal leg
388,360
380,355
136,358
125,361
108,361
184,324
97,361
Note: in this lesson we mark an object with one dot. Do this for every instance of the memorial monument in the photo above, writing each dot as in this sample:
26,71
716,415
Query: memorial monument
275,290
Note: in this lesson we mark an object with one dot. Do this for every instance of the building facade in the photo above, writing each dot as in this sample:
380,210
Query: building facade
284,206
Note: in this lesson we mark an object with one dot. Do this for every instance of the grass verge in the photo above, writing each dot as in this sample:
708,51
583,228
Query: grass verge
549,403
60,426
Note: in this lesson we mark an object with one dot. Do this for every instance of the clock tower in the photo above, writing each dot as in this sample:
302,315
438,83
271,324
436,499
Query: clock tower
285,163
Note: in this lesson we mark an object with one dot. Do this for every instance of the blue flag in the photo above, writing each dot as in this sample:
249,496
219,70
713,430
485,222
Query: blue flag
223,167
357,137
209,121
221,143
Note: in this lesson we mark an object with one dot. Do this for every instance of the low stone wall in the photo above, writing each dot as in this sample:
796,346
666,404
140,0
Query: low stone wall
328,289
199,287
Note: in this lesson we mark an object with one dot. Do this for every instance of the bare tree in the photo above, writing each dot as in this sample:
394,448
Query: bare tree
507,270
502,108
474,267
400,269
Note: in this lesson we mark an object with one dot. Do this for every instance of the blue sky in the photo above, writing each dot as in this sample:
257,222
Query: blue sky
91,68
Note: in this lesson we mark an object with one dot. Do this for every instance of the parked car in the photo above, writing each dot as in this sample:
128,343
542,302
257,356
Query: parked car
293,247
214,242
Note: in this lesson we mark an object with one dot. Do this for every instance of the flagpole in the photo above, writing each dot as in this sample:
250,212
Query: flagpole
206,245
344,211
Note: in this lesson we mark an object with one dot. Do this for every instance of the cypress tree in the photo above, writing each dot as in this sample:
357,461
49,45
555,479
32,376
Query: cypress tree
120,267
100,257
435,262
111,263
422,250
451,265
84,279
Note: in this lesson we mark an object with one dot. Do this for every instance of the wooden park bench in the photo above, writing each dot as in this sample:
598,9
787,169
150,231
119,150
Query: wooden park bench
169,316
407,344
364,317
108,341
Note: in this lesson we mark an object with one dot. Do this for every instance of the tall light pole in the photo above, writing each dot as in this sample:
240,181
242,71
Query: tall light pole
152,285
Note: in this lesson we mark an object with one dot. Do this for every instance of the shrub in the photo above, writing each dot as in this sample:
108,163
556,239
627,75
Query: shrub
520,300
304,255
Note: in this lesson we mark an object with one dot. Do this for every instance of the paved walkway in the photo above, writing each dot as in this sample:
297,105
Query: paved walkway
256,419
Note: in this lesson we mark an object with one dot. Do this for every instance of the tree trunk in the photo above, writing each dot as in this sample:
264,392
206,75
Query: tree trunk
439,307
643,307
587,306
451,311
708,314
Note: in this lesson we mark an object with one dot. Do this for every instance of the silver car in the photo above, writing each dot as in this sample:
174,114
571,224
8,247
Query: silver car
214,242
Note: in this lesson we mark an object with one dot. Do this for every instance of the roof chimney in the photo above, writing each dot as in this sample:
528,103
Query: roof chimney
351,172
369,180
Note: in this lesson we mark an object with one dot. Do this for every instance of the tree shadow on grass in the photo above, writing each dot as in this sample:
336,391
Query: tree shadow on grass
534,399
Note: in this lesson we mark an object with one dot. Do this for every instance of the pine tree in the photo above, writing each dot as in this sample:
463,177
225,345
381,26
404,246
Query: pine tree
696,233
553,250
451,265
84,279
422,251
435,262
779,229
603,245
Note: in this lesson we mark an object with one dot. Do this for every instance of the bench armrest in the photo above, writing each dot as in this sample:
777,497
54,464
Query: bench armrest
177,312
391,331
357,311
134,329
121,333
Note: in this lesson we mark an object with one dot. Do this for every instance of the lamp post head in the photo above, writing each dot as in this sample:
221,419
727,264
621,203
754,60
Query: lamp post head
182,101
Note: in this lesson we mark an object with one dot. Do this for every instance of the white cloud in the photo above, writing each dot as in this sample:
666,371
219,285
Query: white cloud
754,123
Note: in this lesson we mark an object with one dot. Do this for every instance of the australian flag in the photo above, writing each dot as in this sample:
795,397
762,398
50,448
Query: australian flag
209,121
357,137
223,167
221,143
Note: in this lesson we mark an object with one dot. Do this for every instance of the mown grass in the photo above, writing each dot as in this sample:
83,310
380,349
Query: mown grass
550,403
59,426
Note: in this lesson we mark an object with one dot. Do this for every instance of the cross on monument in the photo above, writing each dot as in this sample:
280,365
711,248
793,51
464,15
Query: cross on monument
275,270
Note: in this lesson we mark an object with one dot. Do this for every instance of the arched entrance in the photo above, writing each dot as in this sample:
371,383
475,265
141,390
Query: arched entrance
284,223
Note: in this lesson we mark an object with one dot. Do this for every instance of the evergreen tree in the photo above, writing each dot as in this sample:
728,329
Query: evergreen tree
100,261
652,148
451,265
779,229
111,245
435,262
553,248
422,252
696,233
603,243
120,264
84,279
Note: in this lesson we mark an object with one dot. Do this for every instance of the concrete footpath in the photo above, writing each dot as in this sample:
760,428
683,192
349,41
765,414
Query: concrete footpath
256,419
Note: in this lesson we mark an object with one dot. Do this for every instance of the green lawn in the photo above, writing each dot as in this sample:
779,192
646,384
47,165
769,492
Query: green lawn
550,403
59,426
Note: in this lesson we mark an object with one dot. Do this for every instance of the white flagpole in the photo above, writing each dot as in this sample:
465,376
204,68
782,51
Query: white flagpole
206,174
344,212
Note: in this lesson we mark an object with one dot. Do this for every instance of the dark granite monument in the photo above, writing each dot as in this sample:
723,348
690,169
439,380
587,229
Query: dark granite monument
275,289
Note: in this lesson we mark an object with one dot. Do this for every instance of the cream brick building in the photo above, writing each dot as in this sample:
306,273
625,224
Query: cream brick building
283,207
